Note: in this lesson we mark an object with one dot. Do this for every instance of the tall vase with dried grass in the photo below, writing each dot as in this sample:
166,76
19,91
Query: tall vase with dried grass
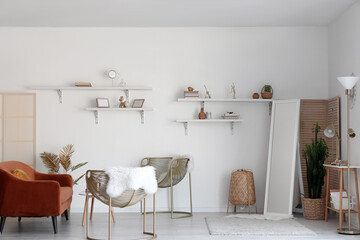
315,156
61,164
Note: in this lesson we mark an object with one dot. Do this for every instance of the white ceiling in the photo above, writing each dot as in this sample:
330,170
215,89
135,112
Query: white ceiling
178,13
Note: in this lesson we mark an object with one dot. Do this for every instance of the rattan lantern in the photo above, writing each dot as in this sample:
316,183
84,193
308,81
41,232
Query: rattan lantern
242,189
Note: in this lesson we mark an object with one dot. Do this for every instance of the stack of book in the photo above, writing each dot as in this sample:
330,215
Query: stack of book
83,84
231,116
191,94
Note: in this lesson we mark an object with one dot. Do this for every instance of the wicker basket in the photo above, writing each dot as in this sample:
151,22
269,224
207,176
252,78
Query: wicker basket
242,188
314,208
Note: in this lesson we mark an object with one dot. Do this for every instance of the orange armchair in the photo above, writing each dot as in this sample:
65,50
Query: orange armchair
42,195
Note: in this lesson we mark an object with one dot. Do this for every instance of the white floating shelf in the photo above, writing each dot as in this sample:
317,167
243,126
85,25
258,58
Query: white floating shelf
210,120
92,88
141,110
187,121
245,100
119,109
222,100
61,89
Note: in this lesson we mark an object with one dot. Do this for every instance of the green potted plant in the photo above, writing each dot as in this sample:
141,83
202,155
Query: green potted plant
267,92
315,155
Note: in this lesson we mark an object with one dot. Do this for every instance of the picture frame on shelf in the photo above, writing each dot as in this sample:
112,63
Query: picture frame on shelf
138,103
102,103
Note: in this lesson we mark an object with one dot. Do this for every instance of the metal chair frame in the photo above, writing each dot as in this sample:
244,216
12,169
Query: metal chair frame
153,233
173,164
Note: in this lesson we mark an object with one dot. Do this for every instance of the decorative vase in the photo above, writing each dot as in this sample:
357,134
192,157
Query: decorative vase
255,96
202,114
314,208
267,94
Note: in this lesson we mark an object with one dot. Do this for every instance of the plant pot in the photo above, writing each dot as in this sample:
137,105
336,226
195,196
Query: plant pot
314,208
267,95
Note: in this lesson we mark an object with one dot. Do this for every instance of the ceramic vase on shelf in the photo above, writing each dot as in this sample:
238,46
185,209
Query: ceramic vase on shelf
202,114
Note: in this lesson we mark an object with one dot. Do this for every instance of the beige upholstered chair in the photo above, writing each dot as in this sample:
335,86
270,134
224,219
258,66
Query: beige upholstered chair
170,172
96,183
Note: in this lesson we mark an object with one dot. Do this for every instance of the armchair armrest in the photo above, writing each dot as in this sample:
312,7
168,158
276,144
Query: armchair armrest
65,180
28,198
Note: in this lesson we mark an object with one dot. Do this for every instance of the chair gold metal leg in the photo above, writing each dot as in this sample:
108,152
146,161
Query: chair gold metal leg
84,213
92,207
186,214
153,233
190,188
87,214
144,216
109,219
172,193
113,215
154,215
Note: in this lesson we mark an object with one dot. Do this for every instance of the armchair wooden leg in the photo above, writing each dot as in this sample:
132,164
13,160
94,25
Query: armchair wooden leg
19,219
66,213
2,224
54,222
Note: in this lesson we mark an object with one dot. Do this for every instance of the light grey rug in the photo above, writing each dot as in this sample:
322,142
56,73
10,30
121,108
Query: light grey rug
256,227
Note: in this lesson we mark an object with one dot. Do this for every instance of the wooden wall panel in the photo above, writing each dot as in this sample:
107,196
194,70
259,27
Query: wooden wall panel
311,112
333,118
325,113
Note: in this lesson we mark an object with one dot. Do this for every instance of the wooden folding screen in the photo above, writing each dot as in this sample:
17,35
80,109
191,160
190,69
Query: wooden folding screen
18,127
323,112
333,118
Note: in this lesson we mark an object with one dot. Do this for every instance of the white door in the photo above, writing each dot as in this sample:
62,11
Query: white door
18,127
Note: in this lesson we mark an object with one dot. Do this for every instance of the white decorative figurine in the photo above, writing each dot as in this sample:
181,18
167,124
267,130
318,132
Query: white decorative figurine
207,94
233,91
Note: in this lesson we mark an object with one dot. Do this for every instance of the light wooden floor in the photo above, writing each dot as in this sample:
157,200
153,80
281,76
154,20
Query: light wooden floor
129,226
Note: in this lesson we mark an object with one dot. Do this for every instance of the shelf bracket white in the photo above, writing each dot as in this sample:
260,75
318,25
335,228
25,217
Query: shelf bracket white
127,94
232,128
59,91
186,126
96,117
142,114
270,108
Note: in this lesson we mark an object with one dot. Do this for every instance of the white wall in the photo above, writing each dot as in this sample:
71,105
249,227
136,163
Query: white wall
344,59
293,60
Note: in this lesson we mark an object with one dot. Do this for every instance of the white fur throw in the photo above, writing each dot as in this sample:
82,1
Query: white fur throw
121,179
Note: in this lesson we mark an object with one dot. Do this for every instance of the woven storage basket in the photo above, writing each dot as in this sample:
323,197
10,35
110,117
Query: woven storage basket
242,188
314,208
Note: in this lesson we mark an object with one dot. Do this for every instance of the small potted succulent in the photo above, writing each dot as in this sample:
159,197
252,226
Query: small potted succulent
267,92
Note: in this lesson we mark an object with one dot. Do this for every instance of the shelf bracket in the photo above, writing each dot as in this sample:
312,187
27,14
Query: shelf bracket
142,114
127,94
96,117
232,128
270,108
59,91
186,126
